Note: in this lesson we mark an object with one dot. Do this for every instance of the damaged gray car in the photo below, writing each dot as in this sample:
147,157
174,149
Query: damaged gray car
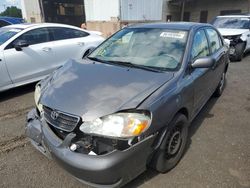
128,104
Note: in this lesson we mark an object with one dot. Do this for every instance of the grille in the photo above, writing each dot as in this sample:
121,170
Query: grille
60,120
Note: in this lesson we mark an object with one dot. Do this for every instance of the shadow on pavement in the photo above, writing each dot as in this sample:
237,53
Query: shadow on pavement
196,123
16,92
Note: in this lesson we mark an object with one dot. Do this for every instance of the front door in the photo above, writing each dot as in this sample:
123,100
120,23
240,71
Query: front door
201,76
5,81
32,62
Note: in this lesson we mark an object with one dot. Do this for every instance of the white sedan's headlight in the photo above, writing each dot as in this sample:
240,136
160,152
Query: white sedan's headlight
123,125
37,96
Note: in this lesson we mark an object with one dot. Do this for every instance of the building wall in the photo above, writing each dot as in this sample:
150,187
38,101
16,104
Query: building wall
101,10
214,8
140,10
31,10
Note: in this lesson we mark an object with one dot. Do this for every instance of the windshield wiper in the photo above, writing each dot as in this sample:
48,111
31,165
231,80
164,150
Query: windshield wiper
132,65
98,60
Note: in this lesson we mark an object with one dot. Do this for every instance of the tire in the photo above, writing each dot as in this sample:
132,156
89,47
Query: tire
173,145
220,88
239,51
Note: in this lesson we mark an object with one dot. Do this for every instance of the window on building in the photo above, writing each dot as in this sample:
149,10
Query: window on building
203,16
169,18
214,40
186,16
32,20
200,45
62,33
226,12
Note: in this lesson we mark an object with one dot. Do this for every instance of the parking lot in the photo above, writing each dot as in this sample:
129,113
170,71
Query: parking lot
218,152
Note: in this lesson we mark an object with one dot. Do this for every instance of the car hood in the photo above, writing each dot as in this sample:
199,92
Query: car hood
231,32
92,90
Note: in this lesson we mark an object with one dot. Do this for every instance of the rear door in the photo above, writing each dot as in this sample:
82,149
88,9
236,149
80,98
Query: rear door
68,43
32,62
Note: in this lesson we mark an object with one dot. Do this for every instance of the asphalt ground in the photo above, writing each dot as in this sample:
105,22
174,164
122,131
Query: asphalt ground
217,156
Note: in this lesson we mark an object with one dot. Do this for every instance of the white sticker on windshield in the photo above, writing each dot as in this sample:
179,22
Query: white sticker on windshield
15,30
179,35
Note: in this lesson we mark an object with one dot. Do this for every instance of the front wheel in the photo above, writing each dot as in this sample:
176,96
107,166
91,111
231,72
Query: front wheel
173,145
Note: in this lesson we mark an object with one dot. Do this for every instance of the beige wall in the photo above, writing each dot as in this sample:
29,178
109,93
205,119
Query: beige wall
214,7
31,10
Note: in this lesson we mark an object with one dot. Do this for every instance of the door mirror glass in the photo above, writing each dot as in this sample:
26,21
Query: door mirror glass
21,44
204,62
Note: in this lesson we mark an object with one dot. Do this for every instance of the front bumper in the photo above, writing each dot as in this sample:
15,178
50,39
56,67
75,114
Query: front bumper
110,170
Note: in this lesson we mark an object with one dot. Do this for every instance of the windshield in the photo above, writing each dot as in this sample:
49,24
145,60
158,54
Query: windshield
232,23
155,48
7,33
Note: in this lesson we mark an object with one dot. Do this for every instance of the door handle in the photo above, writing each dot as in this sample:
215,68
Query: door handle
46,49
80,43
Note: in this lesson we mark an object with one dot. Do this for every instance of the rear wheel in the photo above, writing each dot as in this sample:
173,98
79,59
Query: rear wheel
219,90
173,145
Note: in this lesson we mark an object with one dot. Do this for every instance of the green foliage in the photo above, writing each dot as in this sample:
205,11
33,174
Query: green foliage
12,11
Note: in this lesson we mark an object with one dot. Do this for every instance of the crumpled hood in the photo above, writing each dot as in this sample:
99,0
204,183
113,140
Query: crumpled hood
94,90
231,32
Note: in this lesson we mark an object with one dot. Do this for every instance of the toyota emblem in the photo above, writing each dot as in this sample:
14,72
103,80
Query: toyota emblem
54,115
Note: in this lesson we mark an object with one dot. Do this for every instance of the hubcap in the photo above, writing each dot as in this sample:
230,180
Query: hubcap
222,82
174,142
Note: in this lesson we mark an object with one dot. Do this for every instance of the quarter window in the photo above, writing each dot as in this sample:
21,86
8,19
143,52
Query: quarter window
214,40
200,45
62,33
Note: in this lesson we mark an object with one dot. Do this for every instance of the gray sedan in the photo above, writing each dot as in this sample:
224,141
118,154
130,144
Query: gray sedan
128,104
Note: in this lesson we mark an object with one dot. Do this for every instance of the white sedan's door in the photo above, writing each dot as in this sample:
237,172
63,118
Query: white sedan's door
69,43
5,81
33,62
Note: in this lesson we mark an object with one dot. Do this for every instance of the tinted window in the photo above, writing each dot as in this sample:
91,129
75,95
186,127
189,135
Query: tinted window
3,23
35,36
67,33
214,40
200,45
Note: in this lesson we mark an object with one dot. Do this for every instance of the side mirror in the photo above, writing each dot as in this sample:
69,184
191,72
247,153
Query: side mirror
204,62
88,52
20,44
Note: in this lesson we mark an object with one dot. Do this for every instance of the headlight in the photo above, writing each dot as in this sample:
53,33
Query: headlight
37,96
122,125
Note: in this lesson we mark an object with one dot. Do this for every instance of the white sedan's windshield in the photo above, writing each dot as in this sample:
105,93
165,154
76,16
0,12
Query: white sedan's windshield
232,23
155,48
7,33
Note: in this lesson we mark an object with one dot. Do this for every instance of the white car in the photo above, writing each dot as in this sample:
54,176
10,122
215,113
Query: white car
29,52
235,28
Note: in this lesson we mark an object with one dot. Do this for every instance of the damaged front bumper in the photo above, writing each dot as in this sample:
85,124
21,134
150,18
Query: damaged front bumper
113,169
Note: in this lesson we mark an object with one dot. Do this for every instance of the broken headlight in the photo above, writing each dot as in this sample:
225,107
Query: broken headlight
122,125
37,96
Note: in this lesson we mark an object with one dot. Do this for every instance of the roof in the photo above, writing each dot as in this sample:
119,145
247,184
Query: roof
28,25
234,16
171,25
12,20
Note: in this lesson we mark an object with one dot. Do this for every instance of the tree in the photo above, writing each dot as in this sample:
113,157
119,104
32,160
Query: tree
12,11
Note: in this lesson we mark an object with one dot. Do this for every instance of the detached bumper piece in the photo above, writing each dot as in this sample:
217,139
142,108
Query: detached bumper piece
112,169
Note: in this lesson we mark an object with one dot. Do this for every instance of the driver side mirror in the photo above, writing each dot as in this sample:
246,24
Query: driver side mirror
20,44
204,62
88,52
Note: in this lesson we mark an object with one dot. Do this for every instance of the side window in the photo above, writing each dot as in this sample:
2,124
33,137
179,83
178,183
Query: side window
214,40
35,36
62,33
200,45
3,23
